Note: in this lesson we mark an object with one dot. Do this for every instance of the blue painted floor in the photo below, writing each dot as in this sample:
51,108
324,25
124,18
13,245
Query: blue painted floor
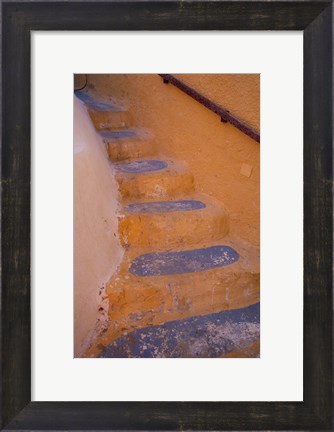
118,134
140,166
188,261
206,336
94,104
164,206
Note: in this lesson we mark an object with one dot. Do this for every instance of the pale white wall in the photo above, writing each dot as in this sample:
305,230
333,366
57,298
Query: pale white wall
97,251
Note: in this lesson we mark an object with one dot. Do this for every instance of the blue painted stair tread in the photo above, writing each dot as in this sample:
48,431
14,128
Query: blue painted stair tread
188,261
140,166
118,134
164,206
93,104
206,336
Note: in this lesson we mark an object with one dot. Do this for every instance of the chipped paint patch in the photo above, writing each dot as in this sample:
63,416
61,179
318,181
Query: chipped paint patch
188,261
164,206
118,134
140,166
205,336
95,105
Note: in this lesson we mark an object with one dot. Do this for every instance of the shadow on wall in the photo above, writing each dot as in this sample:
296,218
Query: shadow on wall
97,251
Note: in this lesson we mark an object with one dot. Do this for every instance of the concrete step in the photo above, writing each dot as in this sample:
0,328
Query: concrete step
208,336
185,261
129,144
153,179
105,115
150,289
106,120
164,224
93,102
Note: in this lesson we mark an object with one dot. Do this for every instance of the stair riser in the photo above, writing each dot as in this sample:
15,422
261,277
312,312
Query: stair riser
130,149
148,305
155,186
106,120
161,231
227,333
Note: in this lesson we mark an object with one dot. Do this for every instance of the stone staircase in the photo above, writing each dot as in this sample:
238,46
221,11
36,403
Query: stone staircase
181,269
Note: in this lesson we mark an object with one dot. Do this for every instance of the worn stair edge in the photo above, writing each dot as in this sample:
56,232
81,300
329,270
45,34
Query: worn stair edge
129,149
157,207
117,136
110,120
92,102
206,336
140,166
249,351
139,301
172,181
163,224
186,261
129,144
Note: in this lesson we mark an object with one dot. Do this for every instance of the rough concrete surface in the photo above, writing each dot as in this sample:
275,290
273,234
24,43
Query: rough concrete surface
178,222
140,166
203,336
164,206
186,261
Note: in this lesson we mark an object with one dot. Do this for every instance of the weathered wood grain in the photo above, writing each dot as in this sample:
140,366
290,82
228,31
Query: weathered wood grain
170,15
15,220
318,216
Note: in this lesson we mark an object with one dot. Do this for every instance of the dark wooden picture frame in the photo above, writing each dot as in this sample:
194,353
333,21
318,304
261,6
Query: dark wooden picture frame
315,18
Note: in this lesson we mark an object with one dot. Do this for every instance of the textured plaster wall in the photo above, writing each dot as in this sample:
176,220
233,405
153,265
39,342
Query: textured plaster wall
224,161
97,251
239,93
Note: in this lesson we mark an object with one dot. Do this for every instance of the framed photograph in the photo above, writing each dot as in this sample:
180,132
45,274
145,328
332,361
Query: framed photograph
169,223
131,178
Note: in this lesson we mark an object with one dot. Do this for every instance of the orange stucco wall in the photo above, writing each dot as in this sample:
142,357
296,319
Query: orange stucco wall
239,93
224,161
